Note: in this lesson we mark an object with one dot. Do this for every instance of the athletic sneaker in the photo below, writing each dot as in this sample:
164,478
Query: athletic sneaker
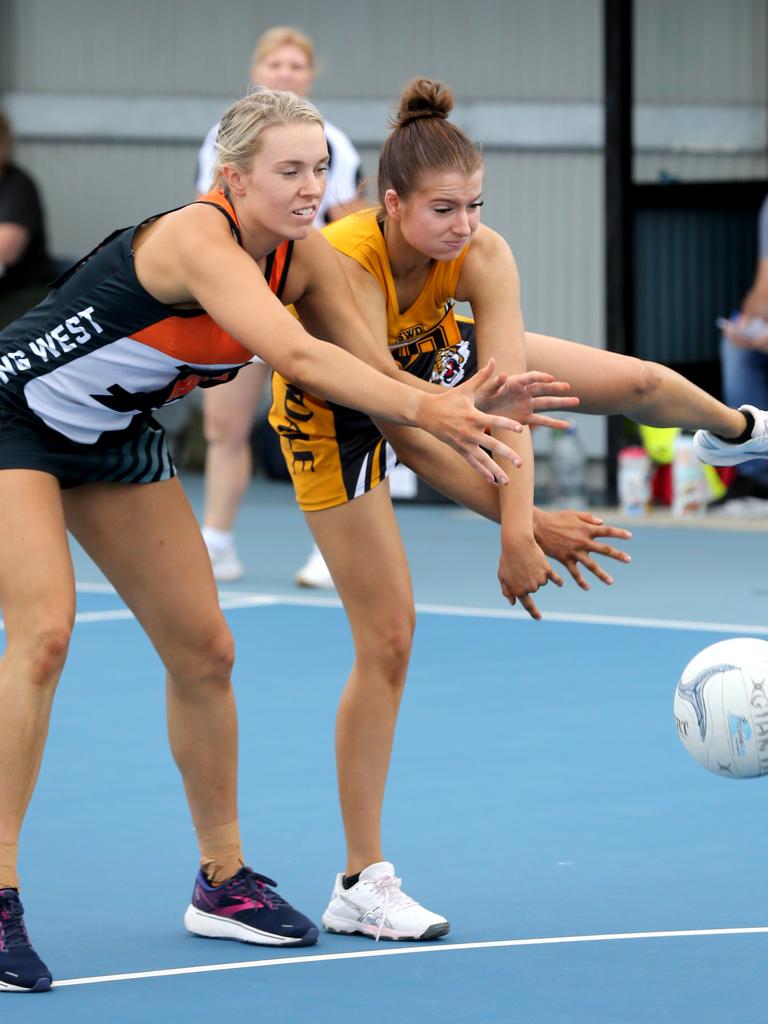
246,909
21,969
315,573
227,567
376,906
716,452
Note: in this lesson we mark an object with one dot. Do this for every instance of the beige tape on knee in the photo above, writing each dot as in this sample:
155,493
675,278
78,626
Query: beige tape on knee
9,858
221,853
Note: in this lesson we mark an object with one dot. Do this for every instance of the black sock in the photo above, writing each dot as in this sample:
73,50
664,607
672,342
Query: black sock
349,880
746,434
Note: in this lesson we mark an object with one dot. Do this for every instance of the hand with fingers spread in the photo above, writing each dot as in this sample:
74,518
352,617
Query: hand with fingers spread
571,537
453,417
524,569
522,395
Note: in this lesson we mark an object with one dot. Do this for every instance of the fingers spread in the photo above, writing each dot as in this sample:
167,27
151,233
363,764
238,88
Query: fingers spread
530,606
537,420
616,553
556,579
597,570
573,568
503,423
502,451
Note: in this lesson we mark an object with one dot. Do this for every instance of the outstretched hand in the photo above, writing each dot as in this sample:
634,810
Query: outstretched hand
521,395
571,537
455,418
524,569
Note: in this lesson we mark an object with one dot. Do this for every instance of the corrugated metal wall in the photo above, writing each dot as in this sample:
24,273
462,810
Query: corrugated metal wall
530,49
529,73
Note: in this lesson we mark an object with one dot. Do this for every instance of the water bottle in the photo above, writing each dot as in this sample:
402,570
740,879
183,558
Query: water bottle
634,481
569,469
690,490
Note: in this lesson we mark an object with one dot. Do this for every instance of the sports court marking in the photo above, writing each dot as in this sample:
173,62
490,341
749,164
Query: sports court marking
235,599
408,951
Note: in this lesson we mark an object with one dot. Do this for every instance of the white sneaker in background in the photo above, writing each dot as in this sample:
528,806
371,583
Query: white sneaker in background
226,565
716,452
315,573
377,906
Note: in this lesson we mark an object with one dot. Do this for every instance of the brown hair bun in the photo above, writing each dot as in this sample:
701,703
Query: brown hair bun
423,98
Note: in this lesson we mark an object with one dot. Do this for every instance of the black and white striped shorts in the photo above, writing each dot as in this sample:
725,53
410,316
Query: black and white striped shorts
138,455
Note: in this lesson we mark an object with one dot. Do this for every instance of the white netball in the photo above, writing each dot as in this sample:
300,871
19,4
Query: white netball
721,708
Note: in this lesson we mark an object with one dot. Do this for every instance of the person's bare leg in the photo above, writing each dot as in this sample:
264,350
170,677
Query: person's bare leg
229,411
38,604
650,393
361,544
147,541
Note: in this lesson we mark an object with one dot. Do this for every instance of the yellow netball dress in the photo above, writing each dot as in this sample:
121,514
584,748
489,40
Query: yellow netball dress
335,454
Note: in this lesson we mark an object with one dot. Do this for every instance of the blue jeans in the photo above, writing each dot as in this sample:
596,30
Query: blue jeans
745,382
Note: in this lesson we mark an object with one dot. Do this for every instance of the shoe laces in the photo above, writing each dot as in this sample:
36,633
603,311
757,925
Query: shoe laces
393,898
13,934
250,883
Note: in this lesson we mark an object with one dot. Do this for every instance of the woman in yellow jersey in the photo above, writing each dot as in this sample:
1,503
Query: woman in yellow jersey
407,263
184,298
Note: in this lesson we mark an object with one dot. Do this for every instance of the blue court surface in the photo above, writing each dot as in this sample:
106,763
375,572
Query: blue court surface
539,798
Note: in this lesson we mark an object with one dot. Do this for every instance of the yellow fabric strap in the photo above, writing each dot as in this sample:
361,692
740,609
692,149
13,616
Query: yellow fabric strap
9,857
221,853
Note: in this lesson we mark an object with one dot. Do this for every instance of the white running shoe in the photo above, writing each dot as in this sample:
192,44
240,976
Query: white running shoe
716,452
227,567
315,573
376,906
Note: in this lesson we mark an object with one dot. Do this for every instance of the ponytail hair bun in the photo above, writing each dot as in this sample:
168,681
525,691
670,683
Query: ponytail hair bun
423,98
423,142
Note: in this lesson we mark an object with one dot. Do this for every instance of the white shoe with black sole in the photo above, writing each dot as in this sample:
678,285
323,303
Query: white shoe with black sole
377,907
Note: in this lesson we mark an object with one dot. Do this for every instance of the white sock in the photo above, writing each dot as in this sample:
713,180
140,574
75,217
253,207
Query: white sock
218,539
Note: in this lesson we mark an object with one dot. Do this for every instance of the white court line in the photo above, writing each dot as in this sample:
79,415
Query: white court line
232,600
409,951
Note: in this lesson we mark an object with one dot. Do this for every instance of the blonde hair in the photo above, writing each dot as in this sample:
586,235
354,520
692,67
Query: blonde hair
283,35
244,122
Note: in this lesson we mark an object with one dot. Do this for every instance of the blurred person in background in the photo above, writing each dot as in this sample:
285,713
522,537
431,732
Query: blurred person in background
25,266
284,58
744,362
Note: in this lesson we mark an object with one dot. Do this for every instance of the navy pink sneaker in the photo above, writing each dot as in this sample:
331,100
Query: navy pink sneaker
21,969
246,909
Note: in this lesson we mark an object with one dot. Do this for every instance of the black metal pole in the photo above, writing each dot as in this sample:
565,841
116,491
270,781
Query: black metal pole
619,306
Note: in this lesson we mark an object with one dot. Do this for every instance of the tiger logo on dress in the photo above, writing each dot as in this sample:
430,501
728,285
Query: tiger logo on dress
450,364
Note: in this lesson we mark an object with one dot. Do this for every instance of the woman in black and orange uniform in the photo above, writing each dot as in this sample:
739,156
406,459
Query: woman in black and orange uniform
408,263
184,299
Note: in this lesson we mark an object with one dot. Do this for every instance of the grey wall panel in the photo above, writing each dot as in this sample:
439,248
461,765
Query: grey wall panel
701,51
90,189
492,48
700,166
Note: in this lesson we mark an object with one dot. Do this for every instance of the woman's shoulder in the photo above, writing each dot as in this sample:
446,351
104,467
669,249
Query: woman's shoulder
358,232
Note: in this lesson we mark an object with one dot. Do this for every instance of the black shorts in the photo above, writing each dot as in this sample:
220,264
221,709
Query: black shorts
138,455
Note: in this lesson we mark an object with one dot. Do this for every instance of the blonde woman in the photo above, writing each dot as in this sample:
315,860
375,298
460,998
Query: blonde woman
183,299
284,58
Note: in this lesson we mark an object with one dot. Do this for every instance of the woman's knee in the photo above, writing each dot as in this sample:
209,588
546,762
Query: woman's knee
207,658
226,427
40,651
644,381
386,651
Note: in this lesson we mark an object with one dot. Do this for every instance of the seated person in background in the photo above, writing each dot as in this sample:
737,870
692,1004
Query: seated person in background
25,266
744,360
